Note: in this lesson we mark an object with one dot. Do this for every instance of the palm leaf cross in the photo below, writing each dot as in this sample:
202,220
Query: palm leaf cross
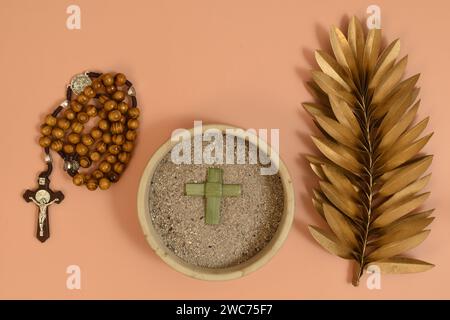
371,170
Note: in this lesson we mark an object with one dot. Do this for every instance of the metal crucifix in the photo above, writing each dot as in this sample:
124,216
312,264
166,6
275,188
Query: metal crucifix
43,197
213,190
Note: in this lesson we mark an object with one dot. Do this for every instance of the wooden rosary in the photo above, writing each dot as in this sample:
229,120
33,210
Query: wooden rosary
109,142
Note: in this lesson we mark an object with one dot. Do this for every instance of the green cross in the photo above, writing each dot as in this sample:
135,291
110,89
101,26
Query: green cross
213,190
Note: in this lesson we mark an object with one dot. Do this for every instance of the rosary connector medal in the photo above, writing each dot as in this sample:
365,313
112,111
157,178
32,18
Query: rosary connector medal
110,142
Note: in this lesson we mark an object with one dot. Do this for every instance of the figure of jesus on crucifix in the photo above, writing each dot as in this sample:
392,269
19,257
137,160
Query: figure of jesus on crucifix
42,201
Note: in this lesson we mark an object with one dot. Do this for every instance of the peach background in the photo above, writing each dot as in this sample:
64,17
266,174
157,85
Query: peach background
237,62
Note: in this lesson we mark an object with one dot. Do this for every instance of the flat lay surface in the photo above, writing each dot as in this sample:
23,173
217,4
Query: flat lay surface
242,63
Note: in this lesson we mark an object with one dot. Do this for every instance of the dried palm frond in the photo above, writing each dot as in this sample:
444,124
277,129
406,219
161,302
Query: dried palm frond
371,175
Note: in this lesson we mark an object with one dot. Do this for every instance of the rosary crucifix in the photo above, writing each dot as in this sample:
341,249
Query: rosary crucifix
43,197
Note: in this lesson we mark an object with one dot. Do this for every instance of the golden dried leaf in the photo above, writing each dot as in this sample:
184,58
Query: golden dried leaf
337,131
343,202
392,135
389,81
332,87
340,226
409,136
405,175
406,154
399,265
330,67
345,115
317,170
399,210
343,52
385,62
394,115
316,109
356,39
403,230
330,243
339,180
398,247
410,190
320,196
370,179
404,90
371,51
318,206
337,154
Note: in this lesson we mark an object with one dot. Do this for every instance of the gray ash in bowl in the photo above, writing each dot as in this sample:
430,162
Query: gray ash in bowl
247,223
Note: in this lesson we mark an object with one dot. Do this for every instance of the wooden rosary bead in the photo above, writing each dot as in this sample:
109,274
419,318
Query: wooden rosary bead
120,79
134,113
128,146
117,128
63,123
131,135
50,120
103,124
78,179
96,133
111,89
77,127
119,95
119,167
101,90
87,140
82,98
103,114
103,98
46,130
97,84
108,79
124,157
118,139
81,149
69,148
97,174
76,106
114,149
85,162
58,133
92,184
113,177
114,115
101,147
104,184
122,107
69,114
111,158
104,166
133,124
56,145
110,105
89,92
82,117
106,138
45,141
73,138
95,156
91,110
